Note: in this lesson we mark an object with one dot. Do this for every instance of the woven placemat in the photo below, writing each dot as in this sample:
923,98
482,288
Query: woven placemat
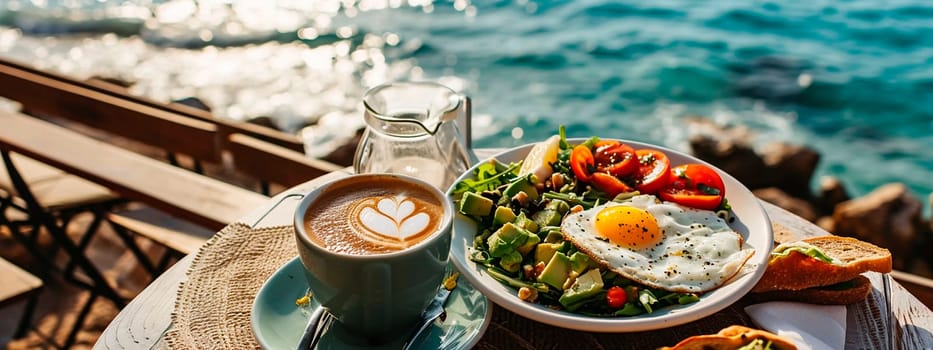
213,307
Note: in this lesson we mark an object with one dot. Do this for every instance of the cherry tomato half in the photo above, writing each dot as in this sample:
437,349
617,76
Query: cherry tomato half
653,170
615,297
609,184
694,185
581,161
615,158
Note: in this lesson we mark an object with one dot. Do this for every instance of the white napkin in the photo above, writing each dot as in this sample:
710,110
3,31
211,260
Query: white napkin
810,327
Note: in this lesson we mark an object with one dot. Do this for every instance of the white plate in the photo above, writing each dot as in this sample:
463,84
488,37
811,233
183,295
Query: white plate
751,222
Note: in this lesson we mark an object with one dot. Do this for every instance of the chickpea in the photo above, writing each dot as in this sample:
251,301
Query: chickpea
527,294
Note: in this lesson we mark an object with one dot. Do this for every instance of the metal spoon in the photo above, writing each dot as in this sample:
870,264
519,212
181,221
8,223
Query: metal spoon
435,308
318,324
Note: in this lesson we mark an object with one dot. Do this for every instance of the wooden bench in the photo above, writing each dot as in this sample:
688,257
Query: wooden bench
180,237
197,198
269,162
17,284
47,94
174,128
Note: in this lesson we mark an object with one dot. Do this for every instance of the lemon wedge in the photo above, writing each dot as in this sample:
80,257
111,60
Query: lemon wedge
539,160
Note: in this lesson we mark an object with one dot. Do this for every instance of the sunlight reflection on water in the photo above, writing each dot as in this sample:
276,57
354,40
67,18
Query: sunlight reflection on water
290,62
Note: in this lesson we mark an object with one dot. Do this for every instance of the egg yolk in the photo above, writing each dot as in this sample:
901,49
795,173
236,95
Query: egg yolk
628,227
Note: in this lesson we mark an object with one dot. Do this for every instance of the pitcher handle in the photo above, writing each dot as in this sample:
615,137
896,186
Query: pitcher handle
465,125
465,120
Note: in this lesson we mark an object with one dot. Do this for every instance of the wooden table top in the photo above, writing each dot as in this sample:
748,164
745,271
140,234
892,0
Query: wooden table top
142,323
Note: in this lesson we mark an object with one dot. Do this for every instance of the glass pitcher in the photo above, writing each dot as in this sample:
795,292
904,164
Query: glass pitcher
421,129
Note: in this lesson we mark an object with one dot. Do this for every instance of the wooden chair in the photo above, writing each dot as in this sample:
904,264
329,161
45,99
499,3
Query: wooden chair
270,163
179,211
46,219
203,201
179,237
102,109
17,284
174,129
175,135
61,195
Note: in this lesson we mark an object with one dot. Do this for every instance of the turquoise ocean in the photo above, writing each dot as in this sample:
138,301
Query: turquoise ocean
852,79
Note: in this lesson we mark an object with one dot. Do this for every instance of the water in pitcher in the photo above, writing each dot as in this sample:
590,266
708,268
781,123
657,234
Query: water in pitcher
420,129
429,170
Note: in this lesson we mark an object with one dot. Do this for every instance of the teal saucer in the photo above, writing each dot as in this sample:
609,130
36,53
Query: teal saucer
278,323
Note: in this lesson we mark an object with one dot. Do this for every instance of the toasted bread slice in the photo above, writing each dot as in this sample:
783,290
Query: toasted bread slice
859,289
797,271
731,338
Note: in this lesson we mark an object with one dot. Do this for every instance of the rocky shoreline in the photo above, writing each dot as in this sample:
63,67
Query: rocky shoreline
780,173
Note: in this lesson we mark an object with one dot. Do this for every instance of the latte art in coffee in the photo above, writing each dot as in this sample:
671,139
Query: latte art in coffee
380,215
390,221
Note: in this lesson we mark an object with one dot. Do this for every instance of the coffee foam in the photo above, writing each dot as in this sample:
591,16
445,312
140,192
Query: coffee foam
374,215
397,221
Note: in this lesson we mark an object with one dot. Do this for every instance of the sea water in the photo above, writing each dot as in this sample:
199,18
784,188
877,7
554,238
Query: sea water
852,79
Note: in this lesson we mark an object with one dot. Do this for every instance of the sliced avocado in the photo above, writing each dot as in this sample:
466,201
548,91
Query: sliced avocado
587,285
565,247
579,262
524,222
506,239
511,262
558,205
529,244
547,217
556,271
474,204
545,251
554,236
552,213
522,184
503,215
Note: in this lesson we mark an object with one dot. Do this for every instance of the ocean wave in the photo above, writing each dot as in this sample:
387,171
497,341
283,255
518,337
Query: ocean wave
613,11
546,61
625,51
917,11
750,19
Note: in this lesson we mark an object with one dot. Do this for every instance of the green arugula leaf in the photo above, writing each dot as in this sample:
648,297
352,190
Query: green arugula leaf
487,176
646,298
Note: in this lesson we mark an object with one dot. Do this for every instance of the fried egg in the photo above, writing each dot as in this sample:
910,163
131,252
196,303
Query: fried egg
659,244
